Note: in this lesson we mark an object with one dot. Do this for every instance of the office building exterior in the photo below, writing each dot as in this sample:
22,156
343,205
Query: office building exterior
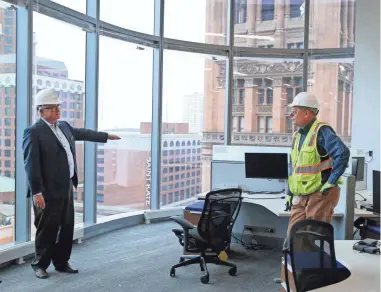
263,87
193,111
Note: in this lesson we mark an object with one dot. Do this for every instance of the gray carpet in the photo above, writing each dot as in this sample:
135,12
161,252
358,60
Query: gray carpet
139,259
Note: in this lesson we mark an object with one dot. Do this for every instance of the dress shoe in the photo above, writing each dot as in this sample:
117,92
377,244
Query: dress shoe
66,268
41,273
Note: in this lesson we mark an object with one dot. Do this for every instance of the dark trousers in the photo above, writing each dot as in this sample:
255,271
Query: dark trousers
54,235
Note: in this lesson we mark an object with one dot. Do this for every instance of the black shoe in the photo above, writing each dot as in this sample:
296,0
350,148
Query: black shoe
66,268
41,273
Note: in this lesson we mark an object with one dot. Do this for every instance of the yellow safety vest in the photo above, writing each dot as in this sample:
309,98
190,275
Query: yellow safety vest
306,164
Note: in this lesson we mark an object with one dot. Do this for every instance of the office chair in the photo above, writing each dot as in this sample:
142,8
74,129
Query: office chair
313,265
213,232
368,227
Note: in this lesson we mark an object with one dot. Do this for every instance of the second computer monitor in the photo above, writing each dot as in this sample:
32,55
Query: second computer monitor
266,165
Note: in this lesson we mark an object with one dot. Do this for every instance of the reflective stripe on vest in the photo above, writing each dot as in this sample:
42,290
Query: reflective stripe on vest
313,139
326,164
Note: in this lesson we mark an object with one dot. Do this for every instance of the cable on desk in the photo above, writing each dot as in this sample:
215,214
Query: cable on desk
364,199
251,246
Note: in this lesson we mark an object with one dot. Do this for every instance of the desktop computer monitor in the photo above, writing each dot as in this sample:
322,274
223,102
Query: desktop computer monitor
266,165
358,168
376,191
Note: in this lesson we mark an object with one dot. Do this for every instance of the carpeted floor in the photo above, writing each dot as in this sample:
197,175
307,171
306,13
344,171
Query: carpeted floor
139,259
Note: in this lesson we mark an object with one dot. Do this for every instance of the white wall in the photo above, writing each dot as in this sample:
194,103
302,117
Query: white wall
366,98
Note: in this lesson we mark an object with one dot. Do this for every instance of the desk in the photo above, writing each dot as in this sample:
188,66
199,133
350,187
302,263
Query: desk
364,268
369,200
272,202
265,215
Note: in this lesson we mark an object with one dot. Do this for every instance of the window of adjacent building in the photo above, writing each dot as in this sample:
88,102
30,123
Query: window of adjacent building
293,86
8,12
8,132
164,199
261,124
269,124
235,124
8,111
9,20
265,90
299,45
7,163
241,96
8,30
288,125
240,11
100,198
295,8
7,143
265,46
268,9
241,124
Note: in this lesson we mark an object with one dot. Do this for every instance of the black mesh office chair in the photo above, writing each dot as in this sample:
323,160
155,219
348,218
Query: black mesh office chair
310,248
213,232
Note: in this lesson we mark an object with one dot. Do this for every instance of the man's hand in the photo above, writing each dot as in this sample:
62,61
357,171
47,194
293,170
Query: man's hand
113,137
39,201
288,202
325,188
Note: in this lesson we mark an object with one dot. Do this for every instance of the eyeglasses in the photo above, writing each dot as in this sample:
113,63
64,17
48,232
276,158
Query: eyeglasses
294,112
53,108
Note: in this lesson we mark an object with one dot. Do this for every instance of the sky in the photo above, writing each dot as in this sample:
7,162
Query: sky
125,73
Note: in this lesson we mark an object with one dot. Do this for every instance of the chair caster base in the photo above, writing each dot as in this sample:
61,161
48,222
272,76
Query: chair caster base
233,271
205,279
172,273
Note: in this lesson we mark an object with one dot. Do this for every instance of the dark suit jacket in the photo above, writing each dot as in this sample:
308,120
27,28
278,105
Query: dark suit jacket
45,158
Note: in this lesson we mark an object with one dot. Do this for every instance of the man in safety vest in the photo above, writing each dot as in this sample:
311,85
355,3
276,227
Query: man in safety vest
318,159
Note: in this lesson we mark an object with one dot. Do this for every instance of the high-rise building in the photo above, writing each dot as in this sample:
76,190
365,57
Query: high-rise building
193,111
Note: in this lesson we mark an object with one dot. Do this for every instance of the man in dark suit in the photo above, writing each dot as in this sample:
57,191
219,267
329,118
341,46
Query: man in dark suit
51,168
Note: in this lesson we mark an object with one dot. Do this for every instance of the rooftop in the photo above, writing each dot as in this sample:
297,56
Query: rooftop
49,63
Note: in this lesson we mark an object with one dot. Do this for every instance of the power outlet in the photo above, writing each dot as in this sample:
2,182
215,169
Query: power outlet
360,152
228,186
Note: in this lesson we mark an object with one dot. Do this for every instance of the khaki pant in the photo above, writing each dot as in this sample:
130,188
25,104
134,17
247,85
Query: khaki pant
314,206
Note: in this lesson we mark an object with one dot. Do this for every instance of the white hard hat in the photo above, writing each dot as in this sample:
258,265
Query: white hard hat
306,99
46,96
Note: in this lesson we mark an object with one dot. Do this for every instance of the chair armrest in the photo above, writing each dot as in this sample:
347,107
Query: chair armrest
185,224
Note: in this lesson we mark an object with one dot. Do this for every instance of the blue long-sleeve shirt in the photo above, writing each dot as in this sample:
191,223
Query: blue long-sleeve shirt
329,142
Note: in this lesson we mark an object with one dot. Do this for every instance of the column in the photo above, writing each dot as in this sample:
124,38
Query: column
251,21
279,107
259,12
251,107
351,24
23,101
344,23
279,23
157,106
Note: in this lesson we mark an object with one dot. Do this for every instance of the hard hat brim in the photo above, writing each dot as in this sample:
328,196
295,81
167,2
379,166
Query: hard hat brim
51,103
